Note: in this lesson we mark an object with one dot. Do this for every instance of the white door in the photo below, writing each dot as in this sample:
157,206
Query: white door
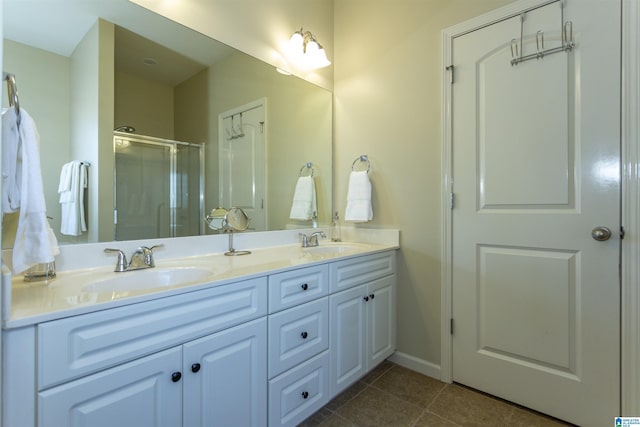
241,146
535,151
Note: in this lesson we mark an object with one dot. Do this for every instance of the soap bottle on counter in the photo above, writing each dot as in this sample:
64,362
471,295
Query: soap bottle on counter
335,229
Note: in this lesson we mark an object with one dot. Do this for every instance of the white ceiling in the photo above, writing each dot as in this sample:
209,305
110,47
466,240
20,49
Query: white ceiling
59,25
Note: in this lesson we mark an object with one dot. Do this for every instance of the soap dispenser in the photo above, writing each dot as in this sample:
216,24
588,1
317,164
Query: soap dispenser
335,229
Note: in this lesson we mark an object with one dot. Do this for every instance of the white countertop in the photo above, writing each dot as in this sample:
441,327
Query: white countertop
71,292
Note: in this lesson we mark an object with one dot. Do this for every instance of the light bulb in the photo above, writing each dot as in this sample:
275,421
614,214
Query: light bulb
321,59
295,42
312,48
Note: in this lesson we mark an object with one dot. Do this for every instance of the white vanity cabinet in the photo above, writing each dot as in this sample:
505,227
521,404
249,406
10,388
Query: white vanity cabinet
362,317
263,351
136,365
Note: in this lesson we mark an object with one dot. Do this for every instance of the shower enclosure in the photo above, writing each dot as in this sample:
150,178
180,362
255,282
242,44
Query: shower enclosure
159,187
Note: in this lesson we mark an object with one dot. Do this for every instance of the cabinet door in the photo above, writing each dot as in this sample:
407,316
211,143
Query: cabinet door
347,330
141,393
381,321
225,377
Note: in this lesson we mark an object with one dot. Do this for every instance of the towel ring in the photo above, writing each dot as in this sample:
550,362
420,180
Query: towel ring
308,166
364,159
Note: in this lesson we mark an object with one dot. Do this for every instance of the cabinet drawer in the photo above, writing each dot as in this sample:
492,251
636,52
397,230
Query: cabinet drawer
79,345
298,393
355,271
297,334
297,286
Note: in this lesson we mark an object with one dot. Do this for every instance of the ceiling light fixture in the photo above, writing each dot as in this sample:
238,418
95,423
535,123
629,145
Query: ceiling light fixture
306,51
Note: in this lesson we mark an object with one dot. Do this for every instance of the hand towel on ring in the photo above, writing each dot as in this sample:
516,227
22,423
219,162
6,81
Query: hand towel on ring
304,206
359,198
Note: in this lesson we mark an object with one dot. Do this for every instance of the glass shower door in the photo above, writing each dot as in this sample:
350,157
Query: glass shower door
188,194
158,188
143,190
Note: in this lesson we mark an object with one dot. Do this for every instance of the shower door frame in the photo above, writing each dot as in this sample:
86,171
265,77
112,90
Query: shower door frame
172,144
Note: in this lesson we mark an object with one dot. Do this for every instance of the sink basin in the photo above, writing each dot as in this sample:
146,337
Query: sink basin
151,278
335,248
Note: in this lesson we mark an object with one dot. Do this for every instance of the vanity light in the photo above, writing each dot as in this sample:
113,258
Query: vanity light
306,51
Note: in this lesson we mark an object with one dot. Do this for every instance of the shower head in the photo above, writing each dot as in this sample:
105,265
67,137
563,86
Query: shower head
125,128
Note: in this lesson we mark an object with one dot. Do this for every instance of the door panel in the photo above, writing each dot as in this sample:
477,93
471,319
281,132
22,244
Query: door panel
381,321
518,132
347,317
513,285
242,161
228,387
535,167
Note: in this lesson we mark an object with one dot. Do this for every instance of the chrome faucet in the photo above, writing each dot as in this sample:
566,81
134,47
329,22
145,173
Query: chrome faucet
141,258
312,240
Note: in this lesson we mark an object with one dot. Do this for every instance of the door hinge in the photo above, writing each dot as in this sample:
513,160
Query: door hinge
451,326
622,233
261,127
451,200
450,68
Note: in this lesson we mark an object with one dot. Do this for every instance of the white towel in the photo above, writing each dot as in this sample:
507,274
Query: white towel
11,156
64,187
35,242
304,206
359,198
73,181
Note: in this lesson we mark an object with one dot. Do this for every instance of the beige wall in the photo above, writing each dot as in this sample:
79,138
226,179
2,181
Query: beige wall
387,94
191,109
144,104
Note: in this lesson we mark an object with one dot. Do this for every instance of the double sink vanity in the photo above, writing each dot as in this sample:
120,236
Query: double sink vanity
202,339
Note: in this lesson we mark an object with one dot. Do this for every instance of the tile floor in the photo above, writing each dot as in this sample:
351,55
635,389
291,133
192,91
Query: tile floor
391,396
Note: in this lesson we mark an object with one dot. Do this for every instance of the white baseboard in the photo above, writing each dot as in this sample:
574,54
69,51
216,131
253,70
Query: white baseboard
415,364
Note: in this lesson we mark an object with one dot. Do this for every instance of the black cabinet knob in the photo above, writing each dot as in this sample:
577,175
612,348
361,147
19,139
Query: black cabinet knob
195,367
304,335
175,377
366,298
305,286
372,296
305,394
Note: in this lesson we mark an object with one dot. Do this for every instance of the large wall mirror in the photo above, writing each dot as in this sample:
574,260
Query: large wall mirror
203,115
